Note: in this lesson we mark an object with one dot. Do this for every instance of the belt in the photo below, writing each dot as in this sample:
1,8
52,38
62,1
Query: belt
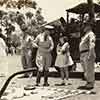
84,51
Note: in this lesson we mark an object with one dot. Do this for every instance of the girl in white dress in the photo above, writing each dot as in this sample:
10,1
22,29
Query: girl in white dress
63,59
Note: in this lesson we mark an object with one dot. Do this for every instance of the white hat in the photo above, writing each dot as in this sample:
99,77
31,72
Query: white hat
49,27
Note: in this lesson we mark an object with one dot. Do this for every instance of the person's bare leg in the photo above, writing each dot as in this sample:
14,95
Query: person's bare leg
62,76
38,78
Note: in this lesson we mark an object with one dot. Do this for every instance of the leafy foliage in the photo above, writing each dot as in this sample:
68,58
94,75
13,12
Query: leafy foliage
29,22
18,4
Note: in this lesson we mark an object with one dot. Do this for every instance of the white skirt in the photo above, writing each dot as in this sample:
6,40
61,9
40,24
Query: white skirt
63,61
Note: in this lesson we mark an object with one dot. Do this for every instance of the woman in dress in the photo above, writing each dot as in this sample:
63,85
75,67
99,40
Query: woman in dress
63,59
45,45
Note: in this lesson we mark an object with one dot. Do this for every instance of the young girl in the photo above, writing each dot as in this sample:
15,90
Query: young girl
63,59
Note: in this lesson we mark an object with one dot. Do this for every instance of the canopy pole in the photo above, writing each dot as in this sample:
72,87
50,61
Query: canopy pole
67,17
91,11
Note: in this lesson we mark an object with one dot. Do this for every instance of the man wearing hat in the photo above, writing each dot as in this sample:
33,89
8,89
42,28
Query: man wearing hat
45,45
87,55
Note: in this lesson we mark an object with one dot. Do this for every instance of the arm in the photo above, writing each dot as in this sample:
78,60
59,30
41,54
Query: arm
92,39
35,42
66,45
3,44
52,44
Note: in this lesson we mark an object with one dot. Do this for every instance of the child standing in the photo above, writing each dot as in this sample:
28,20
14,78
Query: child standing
63,59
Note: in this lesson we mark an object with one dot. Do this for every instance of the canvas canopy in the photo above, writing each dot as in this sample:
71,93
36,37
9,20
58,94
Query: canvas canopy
83,8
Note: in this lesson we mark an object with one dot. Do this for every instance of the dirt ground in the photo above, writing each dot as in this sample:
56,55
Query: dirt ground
17,85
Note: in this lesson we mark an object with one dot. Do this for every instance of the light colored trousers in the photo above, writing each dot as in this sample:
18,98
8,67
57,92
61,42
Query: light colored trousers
26,61
88,66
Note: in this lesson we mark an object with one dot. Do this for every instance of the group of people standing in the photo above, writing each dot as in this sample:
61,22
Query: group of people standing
44,44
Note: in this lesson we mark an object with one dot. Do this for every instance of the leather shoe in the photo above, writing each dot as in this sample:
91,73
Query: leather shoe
89,86
37,84
45,84
62,84
86,87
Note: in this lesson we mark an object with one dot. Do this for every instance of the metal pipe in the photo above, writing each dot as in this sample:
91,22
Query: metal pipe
10,78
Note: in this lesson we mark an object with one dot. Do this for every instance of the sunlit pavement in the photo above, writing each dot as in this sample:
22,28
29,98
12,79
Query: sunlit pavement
16,90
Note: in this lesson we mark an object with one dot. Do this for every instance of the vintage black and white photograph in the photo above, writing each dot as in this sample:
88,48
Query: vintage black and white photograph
49,49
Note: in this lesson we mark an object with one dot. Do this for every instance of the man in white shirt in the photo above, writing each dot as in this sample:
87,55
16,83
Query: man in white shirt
87,56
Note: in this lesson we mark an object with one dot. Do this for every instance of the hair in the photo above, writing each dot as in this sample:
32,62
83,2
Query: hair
85,28
45,37
65,39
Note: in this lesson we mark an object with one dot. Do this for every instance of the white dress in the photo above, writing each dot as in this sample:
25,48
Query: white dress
63,60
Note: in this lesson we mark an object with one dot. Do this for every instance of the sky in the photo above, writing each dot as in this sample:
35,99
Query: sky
54,9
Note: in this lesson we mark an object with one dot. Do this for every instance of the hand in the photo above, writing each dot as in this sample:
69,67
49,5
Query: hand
29,53
91,52
89,56
92,55
40,69
35,45
49,50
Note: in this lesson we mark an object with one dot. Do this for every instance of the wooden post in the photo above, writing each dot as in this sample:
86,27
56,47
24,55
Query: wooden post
67,17
91,11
